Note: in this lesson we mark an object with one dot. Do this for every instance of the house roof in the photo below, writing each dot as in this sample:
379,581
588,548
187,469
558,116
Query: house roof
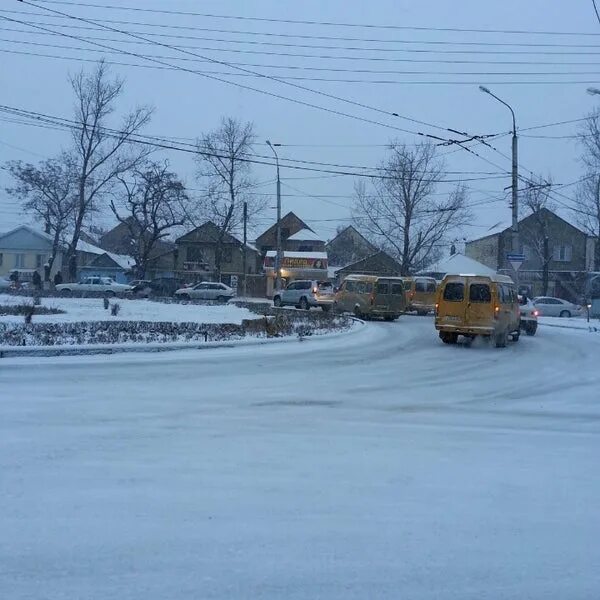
32,230
283,219
459,263
372,259
125,262
305,235
288,254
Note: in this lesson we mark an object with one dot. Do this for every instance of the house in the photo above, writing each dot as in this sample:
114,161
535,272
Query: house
118,240
557,254
305,240
378,263
455,264
347,247
93,261
196,251
290,225
26,250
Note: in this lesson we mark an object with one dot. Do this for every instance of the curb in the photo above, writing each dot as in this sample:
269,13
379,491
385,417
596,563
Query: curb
589,328
94,349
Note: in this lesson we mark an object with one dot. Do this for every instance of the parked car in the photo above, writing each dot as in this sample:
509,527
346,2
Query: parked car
529,315
370,296
102,285
206,290
5,284
556,307
305,293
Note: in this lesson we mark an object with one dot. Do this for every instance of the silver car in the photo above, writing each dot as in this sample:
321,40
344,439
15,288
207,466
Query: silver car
206,290
305,293
556,307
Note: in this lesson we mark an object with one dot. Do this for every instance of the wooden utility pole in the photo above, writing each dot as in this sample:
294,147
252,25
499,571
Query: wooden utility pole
244,250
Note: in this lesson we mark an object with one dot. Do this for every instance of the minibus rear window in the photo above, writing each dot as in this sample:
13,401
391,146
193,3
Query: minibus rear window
397,289
383,288
425,286
480,292
454,292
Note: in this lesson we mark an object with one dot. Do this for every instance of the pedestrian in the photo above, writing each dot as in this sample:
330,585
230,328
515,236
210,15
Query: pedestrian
14,277
58,278
36,280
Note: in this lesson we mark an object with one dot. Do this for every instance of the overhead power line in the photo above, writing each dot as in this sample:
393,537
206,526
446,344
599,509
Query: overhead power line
451,82
294,85
313,22
353,69
474,47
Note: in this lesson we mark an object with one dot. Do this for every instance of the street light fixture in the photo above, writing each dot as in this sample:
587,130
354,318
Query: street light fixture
279,256
593,91
515,172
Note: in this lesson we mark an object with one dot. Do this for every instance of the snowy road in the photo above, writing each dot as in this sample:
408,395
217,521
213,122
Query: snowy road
381,464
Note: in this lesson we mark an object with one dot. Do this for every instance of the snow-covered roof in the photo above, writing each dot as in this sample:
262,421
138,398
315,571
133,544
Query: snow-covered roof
305,235
459,263
287,254
124,261
32,230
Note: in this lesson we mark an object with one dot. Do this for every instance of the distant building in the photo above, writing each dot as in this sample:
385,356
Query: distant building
545,238
379,263
93,261
196,251
456,264
347,247
26,250
290,225
305,240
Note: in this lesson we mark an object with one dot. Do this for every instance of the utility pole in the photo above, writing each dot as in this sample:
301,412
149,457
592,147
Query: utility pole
244,250
515,181
279,257
515,172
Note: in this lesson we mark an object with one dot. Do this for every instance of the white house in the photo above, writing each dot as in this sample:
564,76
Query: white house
26,250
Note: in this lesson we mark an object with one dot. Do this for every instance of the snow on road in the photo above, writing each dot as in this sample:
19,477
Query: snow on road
91,309
377,465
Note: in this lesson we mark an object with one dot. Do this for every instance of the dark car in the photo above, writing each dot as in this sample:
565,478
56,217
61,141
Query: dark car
165,286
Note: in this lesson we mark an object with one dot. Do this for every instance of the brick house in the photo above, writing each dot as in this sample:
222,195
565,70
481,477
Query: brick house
554,249
195,255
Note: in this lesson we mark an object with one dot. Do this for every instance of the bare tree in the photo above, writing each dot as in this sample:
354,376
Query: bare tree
48,192
399,209
100,154
588,208
223,166
536,201
150,203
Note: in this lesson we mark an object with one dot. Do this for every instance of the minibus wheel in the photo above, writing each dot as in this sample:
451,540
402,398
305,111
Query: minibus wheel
500,339
448,337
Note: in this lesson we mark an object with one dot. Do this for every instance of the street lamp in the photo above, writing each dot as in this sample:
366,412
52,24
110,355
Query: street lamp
593,91
279,257
515,173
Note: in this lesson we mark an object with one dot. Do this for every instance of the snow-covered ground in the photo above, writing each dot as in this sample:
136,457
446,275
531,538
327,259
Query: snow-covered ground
381,464
91,309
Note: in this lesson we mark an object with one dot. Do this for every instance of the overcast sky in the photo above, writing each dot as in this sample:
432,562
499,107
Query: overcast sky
186,104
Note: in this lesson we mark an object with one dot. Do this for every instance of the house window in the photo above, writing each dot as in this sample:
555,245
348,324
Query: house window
563,253
40,259
19,261
1,259
194,254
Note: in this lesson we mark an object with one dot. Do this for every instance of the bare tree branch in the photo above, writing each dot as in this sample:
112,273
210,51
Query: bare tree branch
100,155
398,209
224,170
152,203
